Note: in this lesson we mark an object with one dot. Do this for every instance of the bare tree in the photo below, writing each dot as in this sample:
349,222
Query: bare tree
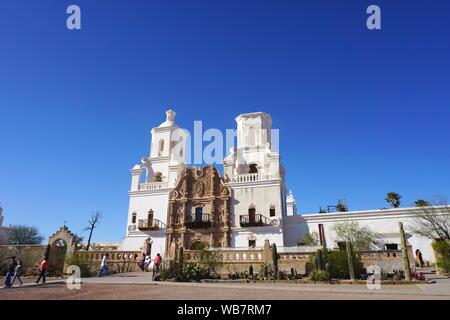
96,216
433,221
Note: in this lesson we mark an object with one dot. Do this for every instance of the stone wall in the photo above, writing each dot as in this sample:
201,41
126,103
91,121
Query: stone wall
240,259
119,261
31,255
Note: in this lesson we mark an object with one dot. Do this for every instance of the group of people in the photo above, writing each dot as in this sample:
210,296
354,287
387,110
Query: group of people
147,265
15,269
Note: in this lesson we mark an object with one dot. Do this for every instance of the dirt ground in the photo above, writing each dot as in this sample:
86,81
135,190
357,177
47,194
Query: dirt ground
59,291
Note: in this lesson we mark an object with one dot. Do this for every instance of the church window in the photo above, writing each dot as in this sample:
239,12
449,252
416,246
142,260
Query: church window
252,243
133,217
150,218
252,215
198,214
160,147
272,211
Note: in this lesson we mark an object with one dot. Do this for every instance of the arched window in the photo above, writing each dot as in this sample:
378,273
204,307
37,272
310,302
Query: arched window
160,147
150,218
252,214
144,175
133,217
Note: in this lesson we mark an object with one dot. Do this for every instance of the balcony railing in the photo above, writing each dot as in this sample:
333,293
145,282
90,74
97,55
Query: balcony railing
198,221
258,220
153,185
249,177
153,225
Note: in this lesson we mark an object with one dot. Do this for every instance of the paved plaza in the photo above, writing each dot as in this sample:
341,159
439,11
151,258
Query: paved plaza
141,286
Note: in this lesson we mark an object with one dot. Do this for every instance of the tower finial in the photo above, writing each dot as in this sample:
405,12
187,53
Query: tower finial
170,115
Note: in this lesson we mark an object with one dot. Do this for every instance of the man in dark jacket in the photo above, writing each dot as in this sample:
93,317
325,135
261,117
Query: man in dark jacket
10,272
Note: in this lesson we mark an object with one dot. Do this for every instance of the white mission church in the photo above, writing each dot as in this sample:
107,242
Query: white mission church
172,205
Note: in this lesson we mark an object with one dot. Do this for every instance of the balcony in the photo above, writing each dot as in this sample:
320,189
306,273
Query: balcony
198,221
249,177
153,185
257,220
154,225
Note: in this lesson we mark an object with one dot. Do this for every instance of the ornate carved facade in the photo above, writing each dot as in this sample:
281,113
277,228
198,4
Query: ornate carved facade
198,211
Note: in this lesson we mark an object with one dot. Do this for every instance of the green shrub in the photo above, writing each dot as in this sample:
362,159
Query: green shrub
317,275
442,248
87,267
187,272
338,264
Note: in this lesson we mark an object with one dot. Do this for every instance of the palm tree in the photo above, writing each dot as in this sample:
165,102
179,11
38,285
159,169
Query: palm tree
394,199
422,203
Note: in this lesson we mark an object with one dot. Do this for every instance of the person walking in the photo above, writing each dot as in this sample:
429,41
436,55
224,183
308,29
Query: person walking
142,262
158,261
18,273
43,266
104,265
147,262
10,272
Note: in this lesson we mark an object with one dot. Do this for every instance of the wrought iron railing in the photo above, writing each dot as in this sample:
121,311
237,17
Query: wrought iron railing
153,225
198,221
257,220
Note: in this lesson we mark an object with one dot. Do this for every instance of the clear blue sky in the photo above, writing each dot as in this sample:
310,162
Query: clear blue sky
360,112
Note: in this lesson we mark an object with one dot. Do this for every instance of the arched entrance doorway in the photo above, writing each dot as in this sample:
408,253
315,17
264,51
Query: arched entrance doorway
57,256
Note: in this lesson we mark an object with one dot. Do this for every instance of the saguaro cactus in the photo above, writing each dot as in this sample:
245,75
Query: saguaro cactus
351,267
319,260
275,260
314,262
180,258
405,258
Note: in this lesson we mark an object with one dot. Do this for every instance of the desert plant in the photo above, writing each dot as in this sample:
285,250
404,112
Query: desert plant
394,199
338,263
421,203
361,237
442,249
351,266
405,258
432,222
317,275
319,265
341,206
275,260
85,264
309,239
21,234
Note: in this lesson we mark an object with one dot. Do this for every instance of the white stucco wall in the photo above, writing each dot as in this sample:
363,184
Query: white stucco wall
262,195
240,236
382,222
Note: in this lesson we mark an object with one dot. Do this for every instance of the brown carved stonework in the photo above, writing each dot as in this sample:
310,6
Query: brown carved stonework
198,210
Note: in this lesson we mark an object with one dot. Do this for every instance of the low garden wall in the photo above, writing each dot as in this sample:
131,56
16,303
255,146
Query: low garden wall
237,260
30,255
118,261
